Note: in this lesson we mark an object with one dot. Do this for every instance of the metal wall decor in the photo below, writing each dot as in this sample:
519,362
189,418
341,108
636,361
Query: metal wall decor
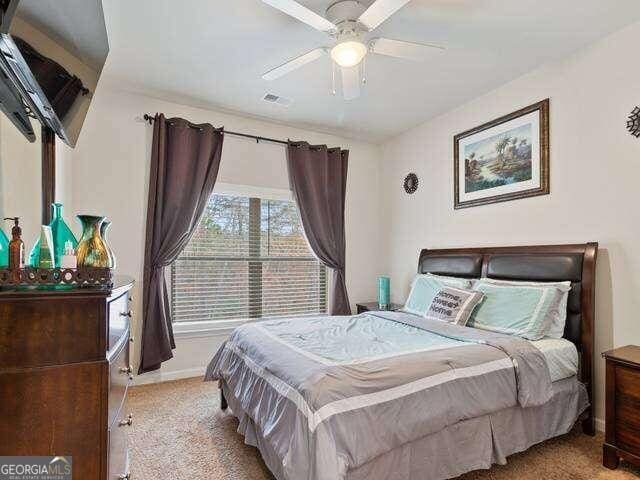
410,183
633,124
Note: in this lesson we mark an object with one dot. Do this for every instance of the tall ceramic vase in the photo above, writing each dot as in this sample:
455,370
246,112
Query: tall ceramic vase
103,232
92,251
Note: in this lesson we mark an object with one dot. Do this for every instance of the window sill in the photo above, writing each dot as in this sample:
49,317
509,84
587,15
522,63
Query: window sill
205,329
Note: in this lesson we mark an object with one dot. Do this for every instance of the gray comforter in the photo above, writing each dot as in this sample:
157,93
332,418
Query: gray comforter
331,393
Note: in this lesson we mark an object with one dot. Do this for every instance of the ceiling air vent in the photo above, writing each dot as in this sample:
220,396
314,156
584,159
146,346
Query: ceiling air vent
271,98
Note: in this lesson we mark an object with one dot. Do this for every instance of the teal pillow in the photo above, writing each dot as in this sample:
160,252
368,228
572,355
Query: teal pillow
559,318
424,289
524,311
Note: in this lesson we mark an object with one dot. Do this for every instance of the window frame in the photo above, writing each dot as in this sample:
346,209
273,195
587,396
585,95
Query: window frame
204,328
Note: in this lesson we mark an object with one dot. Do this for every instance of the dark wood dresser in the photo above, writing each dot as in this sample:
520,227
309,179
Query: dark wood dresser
64,373
622,436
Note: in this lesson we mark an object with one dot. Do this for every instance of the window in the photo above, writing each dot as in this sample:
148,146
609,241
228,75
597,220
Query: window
248,259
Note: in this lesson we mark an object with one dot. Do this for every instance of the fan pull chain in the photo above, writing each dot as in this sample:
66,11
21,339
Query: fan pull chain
333,78
364,70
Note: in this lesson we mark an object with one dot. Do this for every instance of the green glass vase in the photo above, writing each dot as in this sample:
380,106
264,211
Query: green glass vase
103,232
47,259
61,235
92,251
4,250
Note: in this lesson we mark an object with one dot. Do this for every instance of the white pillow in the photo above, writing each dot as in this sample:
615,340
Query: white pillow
558,319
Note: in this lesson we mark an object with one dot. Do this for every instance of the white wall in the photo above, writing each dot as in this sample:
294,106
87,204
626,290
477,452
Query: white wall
595,174
64,179
110,177
20,181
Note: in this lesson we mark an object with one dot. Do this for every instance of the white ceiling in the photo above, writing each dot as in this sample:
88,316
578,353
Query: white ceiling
213,52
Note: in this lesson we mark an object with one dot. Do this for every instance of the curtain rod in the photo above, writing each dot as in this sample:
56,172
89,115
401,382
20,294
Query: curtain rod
150,118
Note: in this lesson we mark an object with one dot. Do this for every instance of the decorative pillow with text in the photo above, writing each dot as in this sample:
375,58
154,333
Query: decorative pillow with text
454,305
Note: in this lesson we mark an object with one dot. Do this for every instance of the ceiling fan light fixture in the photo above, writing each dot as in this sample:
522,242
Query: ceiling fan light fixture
349,53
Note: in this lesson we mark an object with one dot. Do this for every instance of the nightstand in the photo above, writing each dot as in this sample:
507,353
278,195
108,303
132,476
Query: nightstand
374,306
622,436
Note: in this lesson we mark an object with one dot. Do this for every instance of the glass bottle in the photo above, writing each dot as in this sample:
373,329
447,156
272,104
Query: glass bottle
47,256
16,248
61,235
4,250
92,251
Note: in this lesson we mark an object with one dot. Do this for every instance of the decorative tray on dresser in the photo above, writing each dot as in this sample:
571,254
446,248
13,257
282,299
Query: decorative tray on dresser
64,374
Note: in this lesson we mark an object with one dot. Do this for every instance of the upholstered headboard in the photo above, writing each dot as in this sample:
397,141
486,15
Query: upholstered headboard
543,263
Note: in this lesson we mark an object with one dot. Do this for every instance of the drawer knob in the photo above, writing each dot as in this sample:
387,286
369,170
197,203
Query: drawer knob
124,476
126,314
126,423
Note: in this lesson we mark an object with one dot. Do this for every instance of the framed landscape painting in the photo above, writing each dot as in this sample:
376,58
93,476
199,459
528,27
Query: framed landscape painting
502,160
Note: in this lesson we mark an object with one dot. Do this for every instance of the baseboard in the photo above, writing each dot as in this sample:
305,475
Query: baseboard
160,376
599,424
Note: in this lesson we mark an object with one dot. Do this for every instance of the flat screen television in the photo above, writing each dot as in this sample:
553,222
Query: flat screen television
52,52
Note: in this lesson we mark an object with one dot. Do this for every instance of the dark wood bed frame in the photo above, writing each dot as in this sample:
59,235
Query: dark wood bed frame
574,262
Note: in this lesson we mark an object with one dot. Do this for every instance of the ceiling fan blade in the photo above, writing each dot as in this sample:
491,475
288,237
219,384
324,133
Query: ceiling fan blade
407,50
379,11
350,82
303,14
294,64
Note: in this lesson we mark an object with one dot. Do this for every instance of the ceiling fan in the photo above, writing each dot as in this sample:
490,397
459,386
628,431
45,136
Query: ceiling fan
348,23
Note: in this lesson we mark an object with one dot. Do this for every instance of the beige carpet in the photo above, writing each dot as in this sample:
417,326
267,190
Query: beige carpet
179,433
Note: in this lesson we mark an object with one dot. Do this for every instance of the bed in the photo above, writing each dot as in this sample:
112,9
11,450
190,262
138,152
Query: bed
382,395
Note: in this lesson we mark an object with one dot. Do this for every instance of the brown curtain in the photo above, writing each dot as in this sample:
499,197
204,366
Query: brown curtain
184,165
318,178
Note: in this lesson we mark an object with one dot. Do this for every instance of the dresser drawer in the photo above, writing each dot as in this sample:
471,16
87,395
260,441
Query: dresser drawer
118,452
119,319
50,331
627,423
119,378
627,438
54,409
628,382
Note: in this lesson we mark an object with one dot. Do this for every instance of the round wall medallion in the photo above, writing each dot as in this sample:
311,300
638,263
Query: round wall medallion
410,183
